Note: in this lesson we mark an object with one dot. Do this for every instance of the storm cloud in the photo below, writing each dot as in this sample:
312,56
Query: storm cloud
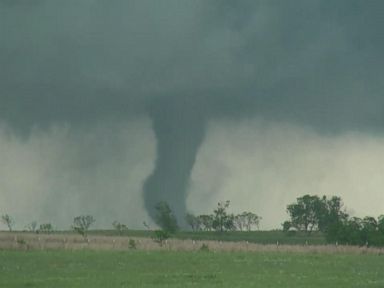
183,65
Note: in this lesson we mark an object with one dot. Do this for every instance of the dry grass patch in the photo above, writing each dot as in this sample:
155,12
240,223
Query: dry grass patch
31,241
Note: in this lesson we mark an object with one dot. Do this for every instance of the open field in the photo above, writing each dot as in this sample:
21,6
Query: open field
31,241
68,260
183,240
261,237
86,268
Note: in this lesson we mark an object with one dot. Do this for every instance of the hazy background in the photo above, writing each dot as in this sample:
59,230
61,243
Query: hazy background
108,107
260,166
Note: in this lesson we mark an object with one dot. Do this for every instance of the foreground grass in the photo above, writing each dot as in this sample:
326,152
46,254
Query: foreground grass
187,269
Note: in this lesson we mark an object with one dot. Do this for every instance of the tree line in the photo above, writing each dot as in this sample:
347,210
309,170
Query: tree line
81,225
328,215
221,220
307,214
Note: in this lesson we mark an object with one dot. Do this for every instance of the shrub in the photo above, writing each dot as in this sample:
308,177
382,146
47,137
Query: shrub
204,248
132,244
161,236
21,242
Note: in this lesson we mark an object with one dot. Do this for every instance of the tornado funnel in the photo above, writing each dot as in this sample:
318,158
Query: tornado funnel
179,130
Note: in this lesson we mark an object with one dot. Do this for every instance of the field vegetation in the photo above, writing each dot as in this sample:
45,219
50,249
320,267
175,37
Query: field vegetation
261,237
188,269
221,250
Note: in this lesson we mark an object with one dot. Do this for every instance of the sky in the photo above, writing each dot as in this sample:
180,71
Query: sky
107,108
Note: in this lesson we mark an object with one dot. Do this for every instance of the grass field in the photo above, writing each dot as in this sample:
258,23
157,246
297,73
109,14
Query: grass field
261,237
188,269
238,259
100,241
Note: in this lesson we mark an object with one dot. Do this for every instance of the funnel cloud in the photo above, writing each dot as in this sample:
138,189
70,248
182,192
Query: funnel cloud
74,74
179,134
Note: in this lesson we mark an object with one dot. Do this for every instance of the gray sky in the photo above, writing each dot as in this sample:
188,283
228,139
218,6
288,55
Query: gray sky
102,100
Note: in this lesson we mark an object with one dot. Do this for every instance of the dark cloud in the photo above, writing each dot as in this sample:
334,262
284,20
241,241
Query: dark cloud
318,63
77,60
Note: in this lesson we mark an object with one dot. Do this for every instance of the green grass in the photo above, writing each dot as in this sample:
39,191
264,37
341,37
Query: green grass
188,269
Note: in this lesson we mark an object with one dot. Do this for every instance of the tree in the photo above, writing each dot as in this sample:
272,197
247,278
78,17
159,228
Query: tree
330,213
239,222
82,223
206,222
370,223
8,220
229,225
32,227
350,232
146,225
250,220
161,236
329,217
357,231
380,223
305,213
311,212
246,221
45,228
193,221
380,230
222,221
369,229
165,218
120,228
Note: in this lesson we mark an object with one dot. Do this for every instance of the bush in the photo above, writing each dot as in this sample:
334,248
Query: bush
161,236
21,242
132,244
204,248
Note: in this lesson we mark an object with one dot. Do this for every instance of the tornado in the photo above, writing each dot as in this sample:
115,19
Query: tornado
179,129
